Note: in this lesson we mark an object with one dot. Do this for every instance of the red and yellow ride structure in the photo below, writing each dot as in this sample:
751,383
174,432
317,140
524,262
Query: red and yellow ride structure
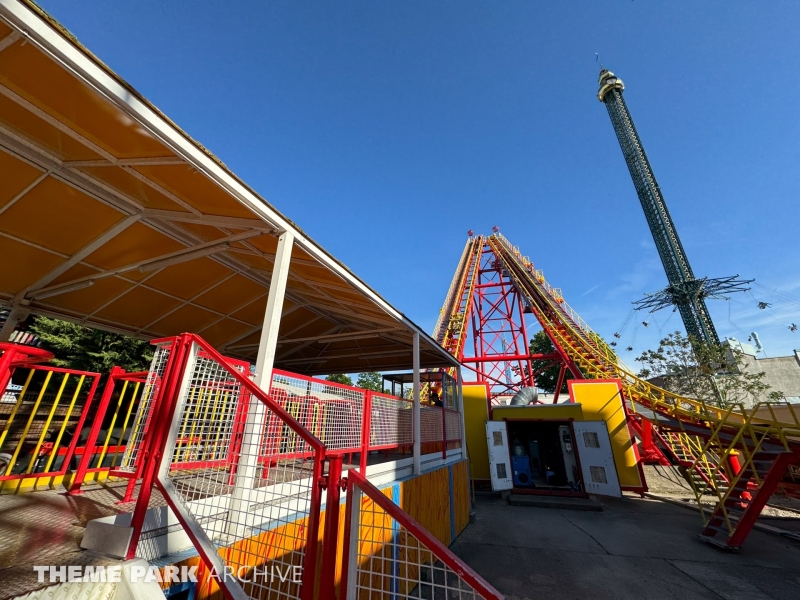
735,457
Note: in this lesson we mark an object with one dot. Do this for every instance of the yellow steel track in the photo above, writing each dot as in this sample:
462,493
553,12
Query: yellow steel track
736,430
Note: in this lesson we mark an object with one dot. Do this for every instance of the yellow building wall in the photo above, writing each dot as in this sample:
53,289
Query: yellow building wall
476,413
550,412
439,500
602,401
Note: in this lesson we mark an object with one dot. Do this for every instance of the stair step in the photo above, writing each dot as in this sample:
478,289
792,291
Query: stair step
718,543
718,529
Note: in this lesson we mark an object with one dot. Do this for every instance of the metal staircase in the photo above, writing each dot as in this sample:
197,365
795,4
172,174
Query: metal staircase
735,454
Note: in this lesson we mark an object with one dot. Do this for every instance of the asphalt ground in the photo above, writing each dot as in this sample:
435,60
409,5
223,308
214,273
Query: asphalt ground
636,548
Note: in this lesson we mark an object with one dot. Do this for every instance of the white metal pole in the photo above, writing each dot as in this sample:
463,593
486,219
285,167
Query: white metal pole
352,546
15,315
415,405
254,425
272,317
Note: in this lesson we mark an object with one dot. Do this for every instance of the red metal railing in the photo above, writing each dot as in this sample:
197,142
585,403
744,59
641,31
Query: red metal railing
242,469
247,509
345,418
388,555
41,417
126,387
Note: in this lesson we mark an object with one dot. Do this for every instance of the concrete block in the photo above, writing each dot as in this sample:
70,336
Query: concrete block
106,538
128,589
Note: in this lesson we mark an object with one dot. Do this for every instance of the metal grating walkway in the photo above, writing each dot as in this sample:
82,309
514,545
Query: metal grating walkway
46,528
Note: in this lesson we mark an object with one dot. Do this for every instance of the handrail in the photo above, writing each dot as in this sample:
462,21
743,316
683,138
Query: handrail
606,364
256,391
437,548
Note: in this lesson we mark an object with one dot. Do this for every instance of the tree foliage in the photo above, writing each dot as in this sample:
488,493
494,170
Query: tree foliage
712,373
548,378
370,381
340,378
86,349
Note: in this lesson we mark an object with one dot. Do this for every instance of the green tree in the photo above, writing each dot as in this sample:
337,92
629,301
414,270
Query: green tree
87,349
370,381
340,378
548,378
708,372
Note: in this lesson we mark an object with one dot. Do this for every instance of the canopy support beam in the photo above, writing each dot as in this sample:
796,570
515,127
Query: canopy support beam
247,471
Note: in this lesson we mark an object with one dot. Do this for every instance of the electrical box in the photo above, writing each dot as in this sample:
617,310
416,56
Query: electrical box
521,467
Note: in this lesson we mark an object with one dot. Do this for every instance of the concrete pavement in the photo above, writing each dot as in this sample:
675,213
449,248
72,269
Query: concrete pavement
636,548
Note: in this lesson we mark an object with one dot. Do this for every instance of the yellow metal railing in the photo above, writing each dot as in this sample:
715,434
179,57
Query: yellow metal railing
454,319
44,423
733,430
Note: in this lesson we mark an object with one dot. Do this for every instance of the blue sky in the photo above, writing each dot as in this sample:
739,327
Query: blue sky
386,130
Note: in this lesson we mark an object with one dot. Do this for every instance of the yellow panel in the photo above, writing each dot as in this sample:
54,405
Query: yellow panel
208,232
602,401
196,189
462,504
17,175
73,273
256,262
59,217
233,293
27,266
253,312
187,319
136,243
32,75
427,499
476,413
550,412
188,279
223,331
252,338
45,135
89,299
269,244
138,307
123,181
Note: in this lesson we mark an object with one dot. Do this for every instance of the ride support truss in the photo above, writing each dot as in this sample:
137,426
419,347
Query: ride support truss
740,454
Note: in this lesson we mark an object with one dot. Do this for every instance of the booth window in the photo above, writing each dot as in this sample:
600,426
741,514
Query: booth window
598,474
590,439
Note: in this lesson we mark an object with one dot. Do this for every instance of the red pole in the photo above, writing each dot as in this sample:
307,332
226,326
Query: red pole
647,436
148,425
760,499
366,432
238,432
88,447
5,368
330,540
733,461
154,446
